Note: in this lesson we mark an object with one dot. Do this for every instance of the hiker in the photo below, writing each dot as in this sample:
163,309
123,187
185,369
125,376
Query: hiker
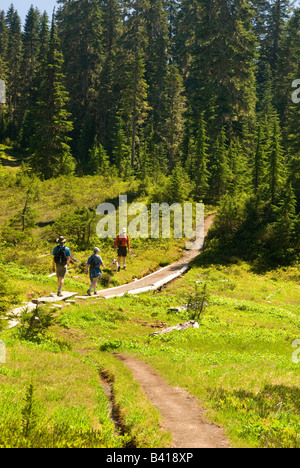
61,261
122,241
94,264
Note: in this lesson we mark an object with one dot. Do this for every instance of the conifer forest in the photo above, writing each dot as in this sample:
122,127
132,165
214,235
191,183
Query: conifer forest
204,92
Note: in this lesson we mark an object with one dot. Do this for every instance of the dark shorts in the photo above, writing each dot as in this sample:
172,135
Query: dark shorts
95,273
122,251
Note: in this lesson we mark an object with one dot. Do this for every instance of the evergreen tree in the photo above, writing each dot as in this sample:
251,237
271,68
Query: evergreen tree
286,71
277,15
31,97
179,186
80,31
276,175
171,127
29,62
14,76
99,160
187,146
219,168
292,132
187,23
108,88
134,102
3,46
157,54
3,69
50,150
282,237
121,151
222,79
239,171
259,166
200,170
145,164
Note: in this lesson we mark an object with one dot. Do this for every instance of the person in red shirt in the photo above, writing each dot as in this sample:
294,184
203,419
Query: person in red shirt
123,244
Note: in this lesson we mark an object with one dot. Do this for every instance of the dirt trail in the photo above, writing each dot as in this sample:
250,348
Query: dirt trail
180,411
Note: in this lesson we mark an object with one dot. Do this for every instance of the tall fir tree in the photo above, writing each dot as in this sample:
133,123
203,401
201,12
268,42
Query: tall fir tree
3,70
287,64
276,174
50,149
259,163
200,163
222,71
80,31
29,63
108,84
3,46
157,55
31,98
14,75
171,122
219,168
99,160
121,155
134,102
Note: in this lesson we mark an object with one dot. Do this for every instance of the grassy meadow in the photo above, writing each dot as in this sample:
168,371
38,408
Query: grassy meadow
60,381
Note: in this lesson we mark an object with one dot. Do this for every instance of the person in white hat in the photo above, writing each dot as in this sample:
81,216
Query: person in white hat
123,244
94,264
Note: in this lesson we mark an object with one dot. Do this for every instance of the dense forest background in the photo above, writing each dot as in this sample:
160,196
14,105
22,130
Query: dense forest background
199,91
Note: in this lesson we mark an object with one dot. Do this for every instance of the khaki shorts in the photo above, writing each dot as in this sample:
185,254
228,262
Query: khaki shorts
61,270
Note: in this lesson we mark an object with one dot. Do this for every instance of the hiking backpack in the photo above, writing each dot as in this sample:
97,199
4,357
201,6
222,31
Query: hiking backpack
60,256
93,263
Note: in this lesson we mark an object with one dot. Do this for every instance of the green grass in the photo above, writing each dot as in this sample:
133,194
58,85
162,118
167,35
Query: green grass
69,404
238,363
26,256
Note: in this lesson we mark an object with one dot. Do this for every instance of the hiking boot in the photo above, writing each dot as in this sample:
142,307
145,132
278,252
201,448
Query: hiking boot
119,269
89,292
95,293
124,267
59,294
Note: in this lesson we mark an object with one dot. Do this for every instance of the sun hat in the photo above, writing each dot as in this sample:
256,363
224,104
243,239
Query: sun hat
96,249
124,230
61,240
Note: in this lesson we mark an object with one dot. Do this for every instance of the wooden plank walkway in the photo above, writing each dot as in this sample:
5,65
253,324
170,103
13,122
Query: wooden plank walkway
54,298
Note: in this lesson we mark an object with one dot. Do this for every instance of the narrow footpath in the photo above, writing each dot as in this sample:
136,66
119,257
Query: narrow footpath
181,413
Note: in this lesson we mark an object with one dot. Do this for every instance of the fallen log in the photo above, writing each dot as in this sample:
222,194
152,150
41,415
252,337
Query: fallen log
180,326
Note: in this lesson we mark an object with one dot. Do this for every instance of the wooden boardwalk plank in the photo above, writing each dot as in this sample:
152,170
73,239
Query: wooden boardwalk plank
54,298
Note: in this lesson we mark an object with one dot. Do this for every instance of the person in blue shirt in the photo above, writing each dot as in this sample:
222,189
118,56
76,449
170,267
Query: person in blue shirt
61,261
94,264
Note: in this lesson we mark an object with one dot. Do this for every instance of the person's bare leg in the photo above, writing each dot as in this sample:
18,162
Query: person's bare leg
60,284
95,281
